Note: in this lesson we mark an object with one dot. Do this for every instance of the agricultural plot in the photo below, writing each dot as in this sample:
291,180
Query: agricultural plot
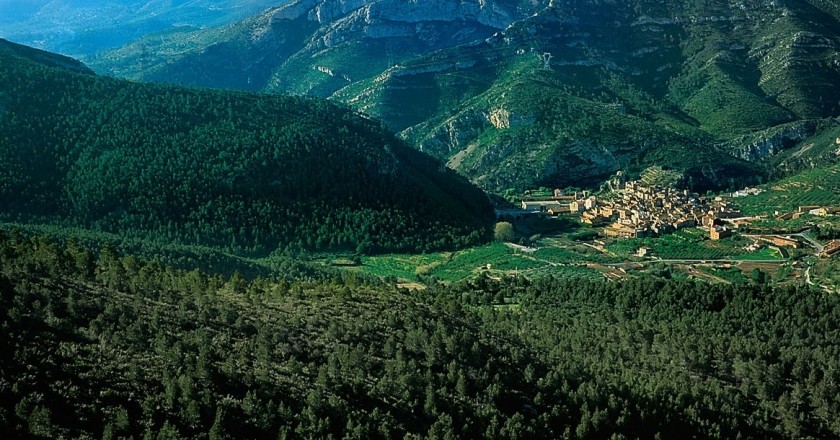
819,186
567,255
692,244
763,254
495,257
402,266
498,256
558,256
771,225
567,271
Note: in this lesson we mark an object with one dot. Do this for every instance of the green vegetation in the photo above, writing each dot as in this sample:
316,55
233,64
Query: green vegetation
692,244
157,290
285,265
656,176
504,232
244,173
402,266
108,346
496,259
819,186
818,151
562,254
493,257
730,274
762,254
562,134
827,272
525,95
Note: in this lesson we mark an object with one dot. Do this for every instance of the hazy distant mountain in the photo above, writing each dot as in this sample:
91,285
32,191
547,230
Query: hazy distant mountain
287,48
84,27
515,94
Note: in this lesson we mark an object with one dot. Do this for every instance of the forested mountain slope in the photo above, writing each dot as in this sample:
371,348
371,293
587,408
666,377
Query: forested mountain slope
516,94
114,346
232,170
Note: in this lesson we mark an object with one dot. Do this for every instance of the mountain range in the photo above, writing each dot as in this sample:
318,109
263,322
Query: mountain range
517,94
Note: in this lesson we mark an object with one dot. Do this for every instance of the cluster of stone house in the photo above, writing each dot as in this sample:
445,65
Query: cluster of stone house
648,210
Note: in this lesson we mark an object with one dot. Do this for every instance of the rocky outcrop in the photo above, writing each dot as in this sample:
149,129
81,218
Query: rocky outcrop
773,141
381,17
499,117
429,21
450,137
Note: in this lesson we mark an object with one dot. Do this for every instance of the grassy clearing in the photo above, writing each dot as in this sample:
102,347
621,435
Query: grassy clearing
761,254
402,266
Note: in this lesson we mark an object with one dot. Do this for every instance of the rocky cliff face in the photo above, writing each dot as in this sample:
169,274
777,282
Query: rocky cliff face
422,21
773,141
284,48
497,14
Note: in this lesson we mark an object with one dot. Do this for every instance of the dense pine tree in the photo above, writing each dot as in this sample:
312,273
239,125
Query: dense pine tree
135,349
246,173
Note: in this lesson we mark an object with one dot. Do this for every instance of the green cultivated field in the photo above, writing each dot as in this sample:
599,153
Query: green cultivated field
402,266
759,255
559,257
564,255
492,258
497,255
692,244
819,186
570,271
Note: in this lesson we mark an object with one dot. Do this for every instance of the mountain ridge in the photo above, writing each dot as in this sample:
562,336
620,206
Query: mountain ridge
638,81
238,171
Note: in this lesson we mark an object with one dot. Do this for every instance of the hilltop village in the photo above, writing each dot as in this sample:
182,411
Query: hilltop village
641,210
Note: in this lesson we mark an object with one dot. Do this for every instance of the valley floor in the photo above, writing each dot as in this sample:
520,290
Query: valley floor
561,246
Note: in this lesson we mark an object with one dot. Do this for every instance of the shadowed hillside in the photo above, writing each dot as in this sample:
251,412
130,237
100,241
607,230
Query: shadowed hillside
231,170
